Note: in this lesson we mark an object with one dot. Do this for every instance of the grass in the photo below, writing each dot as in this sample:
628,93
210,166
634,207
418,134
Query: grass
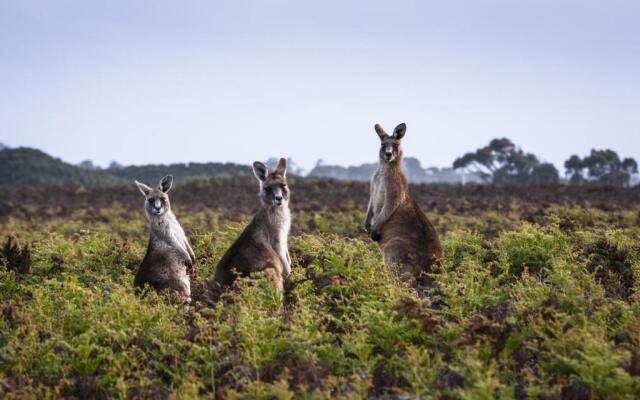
546,308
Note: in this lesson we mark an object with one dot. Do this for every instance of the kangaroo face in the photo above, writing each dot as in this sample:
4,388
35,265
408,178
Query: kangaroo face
274,191
157,203
390,149
156,200
390,146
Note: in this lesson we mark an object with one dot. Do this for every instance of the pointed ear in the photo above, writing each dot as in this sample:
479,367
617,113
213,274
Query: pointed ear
165,183
400,130
381,133
144,189
260,171
282,167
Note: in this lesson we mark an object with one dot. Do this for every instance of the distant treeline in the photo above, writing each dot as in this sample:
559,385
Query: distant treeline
181,172
30,167
501,162
411,166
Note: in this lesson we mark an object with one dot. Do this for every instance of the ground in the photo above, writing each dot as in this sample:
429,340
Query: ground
538,297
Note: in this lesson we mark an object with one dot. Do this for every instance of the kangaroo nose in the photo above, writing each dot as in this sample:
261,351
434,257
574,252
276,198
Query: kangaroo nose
278,198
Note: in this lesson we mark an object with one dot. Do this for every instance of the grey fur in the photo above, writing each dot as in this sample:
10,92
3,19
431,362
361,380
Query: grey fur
169,260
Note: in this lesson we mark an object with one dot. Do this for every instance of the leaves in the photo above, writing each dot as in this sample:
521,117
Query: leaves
502,162
521,310
601,166
14,257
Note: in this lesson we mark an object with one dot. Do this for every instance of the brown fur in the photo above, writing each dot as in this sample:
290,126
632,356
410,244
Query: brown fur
262,246
394,219
169,259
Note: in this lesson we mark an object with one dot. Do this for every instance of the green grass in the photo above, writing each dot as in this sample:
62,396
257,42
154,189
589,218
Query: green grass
542,309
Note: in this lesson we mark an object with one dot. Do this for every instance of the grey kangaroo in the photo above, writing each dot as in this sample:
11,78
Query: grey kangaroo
169,259
394,219
262,246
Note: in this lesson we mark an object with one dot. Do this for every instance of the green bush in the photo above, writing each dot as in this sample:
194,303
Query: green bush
519,310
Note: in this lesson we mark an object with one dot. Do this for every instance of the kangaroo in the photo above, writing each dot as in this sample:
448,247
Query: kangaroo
394,219
262,246
169,259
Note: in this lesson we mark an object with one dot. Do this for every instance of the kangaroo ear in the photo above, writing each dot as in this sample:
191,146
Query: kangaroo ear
381,133
165,183
260,171
400,130
282,166
144,189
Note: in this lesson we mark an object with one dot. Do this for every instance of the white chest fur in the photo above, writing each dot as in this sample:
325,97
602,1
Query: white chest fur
282,223
378,192
168,228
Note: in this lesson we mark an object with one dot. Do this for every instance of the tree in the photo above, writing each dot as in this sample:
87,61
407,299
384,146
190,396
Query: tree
575,169
601,166
87,164
630,166
502,162
544,173
487,160
115,165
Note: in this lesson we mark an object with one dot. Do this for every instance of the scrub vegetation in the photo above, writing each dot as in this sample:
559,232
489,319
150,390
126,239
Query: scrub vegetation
536,299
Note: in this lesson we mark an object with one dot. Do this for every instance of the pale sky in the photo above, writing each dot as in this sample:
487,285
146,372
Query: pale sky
177,81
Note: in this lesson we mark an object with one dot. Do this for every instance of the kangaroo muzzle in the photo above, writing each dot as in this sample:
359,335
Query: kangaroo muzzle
388,153
278,198
155,206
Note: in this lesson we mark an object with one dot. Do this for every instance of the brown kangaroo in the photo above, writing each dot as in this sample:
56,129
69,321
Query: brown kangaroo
394,219
262,246
169,258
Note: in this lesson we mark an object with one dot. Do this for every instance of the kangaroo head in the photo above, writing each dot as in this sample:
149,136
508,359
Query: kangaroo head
156,200
274,191
390,148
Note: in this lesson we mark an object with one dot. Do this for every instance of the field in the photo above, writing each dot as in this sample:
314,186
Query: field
539,297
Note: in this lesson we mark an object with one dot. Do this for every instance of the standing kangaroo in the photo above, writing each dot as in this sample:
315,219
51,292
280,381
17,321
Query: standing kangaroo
169,258
394,219
262,246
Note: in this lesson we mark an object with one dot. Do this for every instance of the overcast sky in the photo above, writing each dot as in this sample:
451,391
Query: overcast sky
177,81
